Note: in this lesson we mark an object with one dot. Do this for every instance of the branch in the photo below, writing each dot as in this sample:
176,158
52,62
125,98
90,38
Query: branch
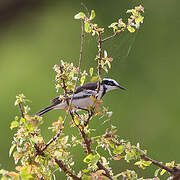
64,168
86,141
175,171
52,140
112,36
100,166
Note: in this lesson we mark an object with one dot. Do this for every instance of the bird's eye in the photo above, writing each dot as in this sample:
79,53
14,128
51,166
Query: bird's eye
110,83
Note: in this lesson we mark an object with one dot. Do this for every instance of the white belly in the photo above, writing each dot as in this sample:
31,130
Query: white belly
82,103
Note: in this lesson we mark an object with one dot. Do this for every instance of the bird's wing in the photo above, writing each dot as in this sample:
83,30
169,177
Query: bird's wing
86,90
87,86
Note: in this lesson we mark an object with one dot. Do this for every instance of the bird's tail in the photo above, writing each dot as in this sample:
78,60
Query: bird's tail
45,110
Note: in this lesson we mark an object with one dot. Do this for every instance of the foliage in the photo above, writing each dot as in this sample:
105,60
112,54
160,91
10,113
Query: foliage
36,159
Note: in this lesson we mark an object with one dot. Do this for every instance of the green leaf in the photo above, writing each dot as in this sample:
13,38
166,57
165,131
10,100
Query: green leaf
96,158
119,149
139,19
87,27
129,11
121,24
22,120
94,79
143,164
11,149
82,80
147,163
128,157
162,172
76,120
25,174
156,172
92,15
85,170
80,15
130,29
109,64
88,158
113,25
14,124
91,71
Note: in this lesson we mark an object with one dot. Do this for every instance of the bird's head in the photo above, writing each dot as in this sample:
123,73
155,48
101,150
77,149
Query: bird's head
111,84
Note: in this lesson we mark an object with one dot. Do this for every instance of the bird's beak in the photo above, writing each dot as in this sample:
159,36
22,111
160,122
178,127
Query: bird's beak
121,87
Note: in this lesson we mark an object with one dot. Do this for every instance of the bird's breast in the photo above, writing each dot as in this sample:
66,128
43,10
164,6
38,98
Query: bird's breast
83,103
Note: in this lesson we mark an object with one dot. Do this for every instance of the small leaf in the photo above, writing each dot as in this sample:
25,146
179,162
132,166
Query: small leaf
85,170
87,27
129,11
88,158
130,29
94,79
121,24
91,71
92,15
162,172
14,124
109,64
139,19
82,80
80,15
156,172
119,150
76,120
11,149
113,25
105,53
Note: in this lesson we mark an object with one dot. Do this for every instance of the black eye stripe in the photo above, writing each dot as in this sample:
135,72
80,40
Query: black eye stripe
111,83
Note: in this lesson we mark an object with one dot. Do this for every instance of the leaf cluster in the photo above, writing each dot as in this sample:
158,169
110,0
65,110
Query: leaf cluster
37,159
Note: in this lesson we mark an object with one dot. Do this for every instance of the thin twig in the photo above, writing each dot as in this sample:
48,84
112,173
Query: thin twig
21,109
80,59
143,156
100,166
99,60
64,168
175,171
112,36
86,141
52,140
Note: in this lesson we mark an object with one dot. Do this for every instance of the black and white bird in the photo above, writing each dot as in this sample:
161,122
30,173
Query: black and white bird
81,98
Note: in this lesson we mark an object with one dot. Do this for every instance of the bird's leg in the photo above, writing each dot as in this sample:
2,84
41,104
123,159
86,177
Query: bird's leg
77,107
77,114
91,112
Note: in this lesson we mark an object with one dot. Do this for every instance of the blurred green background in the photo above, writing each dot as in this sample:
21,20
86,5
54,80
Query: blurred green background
35,35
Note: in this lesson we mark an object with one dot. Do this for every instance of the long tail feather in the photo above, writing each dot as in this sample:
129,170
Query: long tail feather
45,110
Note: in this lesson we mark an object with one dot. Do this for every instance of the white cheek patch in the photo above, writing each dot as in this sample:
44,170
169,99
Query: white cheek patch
109,88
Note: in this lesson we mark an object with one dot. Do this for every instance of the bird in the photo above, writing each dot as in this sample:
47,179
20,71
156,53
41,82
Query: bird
81,99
